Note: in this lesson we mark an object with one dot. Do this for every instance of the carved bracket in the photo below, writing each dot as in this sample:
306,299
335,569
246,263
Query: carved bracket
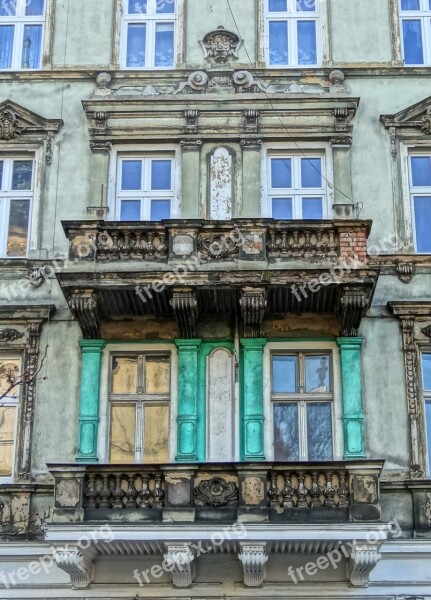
191,117
254,559
362,561
352,307
185,307
180,561
251,121
405,271
84,305
253,304
79,568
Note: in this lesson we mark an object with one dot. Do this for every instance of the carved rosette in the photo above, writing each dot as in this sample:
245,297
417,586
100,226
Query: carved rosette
216,492
221,45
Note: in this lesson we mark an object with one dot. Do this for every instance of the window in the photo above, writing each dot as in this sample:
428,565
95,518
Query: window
302,400
296,187
420,194
9,366
149,34
139,408
426,386
416,31
145,190
16,193
21,33
292,32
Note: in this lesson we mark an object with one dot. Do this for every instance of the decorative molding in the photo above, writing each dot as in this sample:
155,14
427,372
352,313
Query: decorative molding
218,246
102,82
428,510
10,125
197,82
251,121
341,140
84,305
221,45
254,559
362,561
253,304
185,307
405,271
353,304
10,335
426,121
48,148
37,276
191,117
191,144
216,492
427,331
336,78
99,121
101,145
18,123
415,117
394,142
251,143
180,561
79,568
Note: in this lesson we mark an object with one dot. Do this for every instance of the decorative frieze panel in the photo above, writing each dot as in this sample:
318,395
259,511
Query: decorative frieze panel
216,492
221,45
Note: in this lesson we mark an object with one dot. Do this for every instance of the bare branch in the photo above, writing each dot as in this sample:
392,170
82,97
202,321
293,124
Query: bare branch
13,379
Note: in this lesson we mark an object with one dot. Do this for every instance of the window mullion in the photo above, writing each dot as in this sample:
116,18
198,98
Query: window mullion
139,433
303,445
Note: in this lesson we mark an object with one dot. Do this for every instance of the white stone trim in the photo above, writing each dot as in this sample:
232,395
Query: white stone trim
79,567
362,561
180,561
253,558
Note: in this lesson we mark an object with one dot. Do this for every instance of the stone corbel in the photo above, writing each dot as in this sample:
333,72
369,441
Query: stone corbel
251,121
84,305
192,118
80,568
341,119
353,304
180,561
362,561
253,558
185,307
405,271
253,304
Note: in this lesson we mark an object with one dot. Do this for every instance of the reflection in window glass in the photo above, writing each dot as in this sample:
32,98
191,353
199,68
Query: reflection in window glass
22,175
7,439
6,45
281,173
311,172
160,210
413,45
157,375
317,375
319,431
131,175
124,375
312,208
164,45
122,438
422,209
307,43
165,6
286,432
34,7
19,216
130,210
161,175
282,208
277,5
426,370
421,171
284,374
32,47
278,43
136,45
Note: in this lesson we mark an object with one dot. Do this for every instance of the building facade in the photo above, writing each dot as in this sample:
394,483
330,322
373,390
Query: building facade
215,299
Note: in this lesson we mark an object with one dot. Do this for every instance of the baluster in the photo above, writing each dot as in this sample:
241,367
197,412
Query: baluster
117,493
308,251
150,246
131,492
90,492
137,247
114,250
126,247
296,246
272,246
158,494
162,247
287,491
273,493
105,492
332,244
284,242
144,495
320,254
315,491
302,491
343,490
329,491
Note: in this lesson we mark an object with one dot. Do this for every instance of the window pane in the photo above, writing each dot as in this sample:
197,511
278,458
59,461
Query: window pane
282,208
123,433
311,172
422,207
160,210
161,175
312,208
428,430
277,6
281,173
8,366
307,43
136,44
286,432
426,368
165,6
278,43
1,174
157,375
137,7
319,431
305,5
130,210
410,4
6,46
32,47
413,48
164,56
7,439
421,171
7,9
317,375
284,374
124,375
22,175
156,434
131,175
35,7
18,228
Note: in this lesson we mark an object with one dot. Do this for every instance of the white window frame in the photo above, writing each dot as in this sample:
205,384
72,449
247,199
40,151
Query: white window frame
12,402
293,16
309,150
19,21
115,195
423,15
293,347
151,19
426,394
113,349
8,195
413,191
